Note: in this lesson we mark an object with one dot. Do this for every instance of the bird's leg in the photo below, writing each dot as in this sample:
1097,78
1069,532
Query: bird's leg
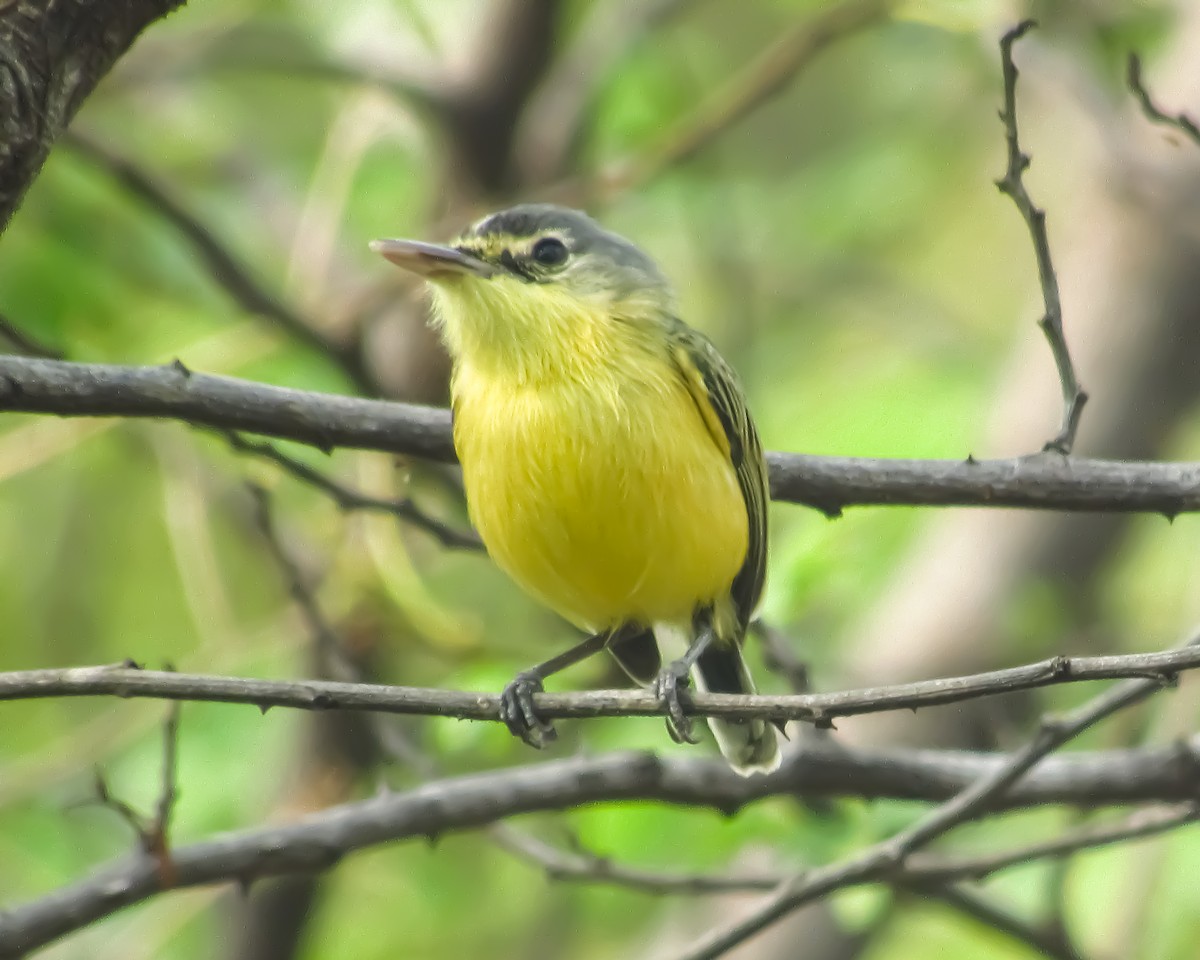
675,677
516,701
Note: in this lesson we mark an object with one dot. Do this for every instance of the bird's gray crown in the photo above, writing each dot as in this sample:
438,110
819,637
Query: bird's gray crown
583,235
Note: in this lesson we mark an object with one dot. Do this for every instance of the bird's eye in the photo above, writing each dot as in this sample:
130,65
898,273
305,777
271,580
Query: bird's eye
550,252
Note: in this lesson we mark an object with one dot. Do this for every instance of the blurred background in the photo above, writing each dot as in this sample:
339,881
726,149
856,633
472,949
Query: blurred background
818,179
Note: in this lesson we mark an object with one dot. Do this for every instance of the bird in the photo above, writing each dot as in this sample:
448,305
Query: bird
610,462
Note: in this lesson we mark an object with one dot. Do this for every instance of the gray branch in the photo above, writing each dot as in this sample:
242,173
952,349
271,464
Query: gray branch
1164,774
819,708
1180,121
583,866
882,860
1012,184
829,484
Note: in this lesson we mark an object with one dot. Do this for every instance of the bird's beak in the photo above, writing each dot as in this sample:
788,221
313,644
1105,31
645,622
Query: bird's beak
430,260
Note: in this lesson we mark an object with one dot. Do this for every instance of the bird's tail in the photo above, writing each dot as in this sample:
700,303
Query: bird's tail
750,746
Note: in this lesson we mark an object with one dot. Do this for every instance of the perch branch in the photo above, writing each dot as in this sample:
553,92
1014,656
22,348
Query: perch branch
829,484
819,708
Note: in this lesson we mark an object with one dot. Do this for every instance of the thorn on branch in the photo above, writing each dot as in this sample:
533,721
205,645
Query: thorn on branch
1012,185
1180,121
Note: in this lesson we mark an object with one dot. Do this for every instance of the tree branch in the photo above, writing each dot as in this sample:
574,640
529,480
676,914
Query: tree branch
884,860
820,708
26,344
556,115
458,803
829,484
152,832
226,271
1180,121
935,871
1049,943
1012,185
349,499
174,392
1137,826
52,55
762,80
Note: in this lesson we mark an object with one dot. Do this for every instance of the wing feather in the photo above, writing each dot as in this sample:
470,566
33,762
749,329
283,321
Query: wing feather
717,392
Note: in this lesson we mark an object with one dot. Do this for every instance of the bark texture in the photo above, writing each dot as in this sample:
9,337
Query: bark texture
52,55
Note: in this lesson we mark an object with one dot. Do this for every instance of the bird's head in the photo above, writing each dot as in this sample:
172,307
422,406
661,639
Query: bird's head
521,286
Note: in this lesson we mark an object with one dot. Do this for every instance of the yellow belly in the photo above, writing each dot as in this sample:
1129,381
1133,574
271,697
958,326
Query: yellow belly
608,504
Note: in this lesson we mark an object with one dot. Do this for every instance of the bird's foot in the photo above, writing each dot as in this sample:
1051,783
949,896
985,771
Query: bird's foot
518,713
670,686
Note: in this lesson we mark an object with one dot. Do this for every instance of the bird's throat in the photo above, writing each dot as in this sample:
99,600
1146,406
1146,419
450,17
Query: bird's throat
526,333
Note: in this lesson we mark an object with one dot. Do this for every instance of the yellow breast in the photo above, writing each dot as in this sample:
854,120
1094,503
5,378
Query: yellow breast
609,502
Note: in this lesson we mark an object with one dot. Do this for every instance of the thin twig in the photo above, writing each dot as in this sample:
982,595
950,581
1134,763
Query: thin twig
1180,121
25,343
298,589
829,484
970,903
1053,732
1012,184
424,89
926,869
222,265
152,832
556,115
1055,897
348,499
820,708
887,858
780,658
757,84
331,651
169,792
584,867
950,868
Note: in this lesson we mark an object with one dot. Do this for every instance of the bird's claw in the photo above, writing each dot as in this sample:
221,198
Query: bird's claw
518,713
671,682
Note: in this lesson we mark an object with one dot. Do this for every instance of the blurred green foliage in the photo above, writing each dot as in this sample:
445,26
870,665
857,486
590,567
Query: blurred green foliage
844,245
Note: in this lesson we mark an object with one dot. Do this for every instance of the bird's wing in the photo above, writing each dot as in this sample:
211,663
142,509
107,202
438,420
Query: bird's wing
715,388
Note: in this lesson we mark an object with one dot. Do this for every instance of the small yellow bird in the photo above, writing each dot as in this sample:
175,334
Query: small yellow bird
611,466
